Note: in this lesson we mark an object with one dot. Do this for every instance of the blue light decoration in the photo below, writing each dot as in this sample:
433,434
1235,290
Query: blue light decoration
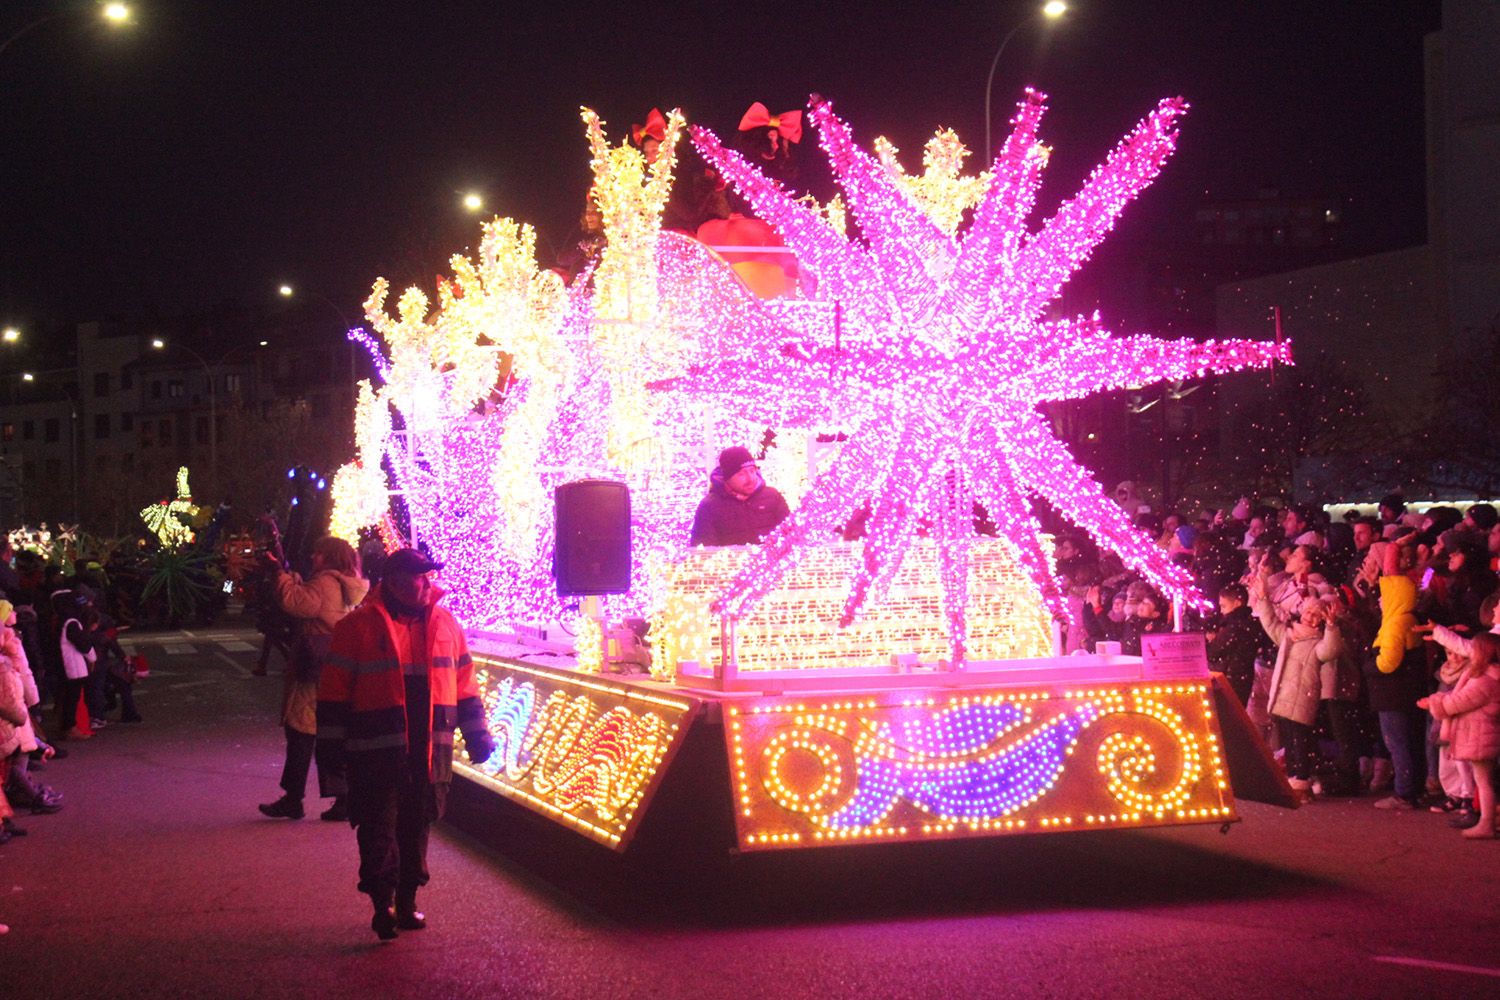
904,765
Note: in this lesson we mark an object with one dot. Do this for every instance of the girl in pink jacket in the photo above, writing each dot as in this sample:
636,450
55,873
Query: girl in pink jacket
1470,717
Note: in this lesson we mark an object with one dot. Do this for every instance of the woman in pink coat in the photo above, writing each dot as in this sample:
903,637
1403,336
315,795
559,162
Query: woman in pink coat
1470,717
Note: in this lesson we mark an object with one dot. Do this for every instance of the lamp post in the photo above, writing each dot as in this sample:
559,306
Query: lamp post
158,344
290,291
29,377
1051,11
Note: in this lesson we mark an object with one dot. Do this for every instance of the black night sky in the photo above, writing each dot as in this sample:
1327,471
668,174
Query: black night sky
215,149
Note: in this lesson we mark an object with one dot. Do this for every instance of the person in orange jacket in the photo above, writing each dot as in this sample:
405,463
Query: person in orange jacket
397,682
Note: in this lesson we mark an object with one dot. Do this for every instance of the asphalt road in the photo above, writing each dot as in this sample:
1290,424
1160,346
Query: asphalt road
159,879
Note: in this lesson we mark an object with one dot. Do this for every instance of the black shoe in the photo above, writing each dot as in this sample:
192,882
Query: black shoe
5,835
408,917
336,813
12,829
383,923
49,803
285,807
1464,819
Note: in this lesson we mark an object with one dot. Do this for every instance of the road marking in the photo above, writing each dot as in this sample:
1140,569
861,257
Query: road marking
243,670
238,647
1422,963
178,649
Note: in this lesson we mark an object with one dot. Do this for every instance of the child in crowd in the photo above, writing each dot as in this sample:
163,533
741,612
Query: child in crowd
18,785
1470,716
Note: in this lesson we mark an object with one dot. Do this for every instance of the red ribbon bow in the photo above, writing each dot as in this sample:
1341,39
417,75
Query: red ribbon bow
655,128
788,123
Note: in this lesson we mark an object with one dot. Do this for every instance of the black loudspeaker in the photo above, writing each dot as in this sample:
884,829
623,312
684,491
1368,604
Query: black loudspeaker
592,551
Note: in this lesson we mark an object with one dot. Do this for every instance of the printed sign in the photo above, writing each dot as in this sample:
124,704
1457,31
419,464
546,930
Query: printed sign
1174,656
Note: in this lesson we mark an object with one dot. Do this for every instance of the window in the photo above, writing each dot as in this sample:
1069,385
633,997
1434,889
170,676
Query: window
127,461
28,469
146,436
127,379
101,425
7,432
28,430
175,388
127,421
51,430
101,383
156,390
233,383
200,430
53,468
164,431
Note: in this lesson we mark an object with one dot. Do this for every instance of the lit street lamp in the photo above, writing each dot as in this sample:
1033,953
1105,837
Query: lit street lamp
114,13
1051,11
473,202
157,344
287,291
11,335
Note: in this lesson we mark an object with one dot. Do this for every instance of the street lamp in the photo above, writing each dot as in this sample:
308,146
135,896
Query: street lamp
114,13
473,202
10,335
1050,11
287,291
157,344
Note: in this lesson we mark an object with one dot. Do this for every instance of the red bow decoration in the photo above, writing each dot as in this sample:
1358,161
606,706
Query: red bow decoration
655,128
788,123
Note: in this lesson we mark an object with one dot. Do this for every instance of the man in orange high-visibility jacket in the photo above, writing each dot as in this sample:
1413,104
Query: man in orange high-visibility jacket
397,682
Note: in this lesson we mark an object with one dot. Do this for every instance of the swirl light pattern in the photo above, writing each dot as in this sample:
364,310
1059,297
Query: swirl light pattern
584,752
905,767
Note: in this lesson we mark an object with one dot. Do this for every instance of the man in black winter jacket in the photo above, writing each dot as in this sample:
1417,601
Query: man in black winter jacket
740,509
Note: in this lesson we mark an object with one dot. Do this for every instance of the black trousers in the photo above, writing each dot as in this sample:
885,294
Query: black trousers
301,750
67,704
1296,739
391,821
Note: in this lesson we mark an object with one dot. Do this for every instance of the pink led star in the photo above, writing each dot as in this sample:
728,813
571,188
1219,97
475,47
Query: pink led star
950,358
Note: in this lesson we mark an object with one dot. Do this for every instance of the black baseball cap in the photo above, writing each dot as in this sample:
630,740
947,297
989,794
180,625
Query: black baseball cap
412,562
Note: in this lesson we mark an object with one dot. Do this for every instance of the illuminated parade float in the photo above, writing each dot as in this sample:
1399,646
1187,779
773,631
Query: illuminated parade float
888,353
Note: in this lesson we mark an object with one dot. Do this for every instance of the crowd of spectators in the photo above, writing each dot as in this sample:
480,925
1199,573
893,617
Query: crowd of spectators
59,647
1365,648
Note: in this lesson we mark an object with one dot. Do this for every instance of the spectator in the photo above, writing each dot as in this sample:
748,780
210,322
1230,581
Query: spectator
18,786
1148,618
75,643
1296,681
1471,723
1366,533
1235,641
1102,627
318,604
1339,678
1398,677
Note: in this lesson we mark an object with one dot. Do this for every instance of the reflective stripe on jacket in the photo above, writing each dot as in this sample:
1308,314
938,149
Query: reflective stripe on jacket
362,690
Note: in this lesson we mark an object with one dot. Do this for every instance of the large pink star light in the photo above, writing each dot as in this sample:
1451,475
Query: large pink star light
941,359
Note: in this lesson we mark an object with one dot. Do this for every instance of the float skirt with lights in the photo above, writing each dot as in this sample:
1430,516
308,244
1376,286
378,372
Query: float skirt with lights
1019,747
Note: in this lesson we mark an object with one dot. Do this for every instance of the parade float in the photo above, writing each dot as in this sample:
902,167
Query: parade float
901,686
